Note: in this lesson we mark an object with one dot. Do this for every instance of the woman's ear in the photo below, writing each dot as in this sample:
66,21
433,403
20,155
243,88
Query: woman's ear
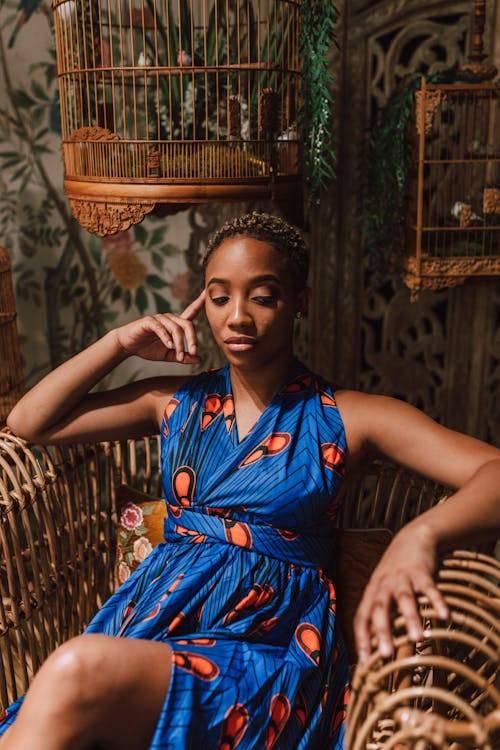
304,298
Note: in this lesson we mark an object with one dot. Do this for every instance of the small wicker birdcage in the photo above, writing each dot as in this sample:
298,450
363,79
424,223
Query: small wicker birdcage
11,375
454,223
175,103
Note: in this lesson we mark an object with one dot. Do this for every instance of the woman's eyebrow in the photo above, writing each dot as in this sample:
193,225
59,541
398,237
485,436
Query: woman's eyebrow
252,282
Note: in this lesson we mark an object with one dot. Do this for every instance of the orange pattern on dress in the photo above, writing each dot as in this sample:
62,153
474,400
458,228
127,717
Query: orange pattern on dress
211,410
183,485
195,537
197,641
332,456
279,713
287,534
178,620
264,627
228,409
257,597
299,385
340,710
327,399
237,533
308,638
198,665
169,410
275,443
233,727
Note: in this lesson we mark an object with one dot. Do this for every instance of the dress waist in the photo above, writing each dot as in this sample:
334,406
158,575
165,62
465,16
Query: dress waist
197,526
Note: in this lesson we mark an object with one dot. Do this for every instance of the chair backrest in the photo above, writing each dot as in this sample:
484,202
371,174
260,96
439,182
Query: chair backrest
380,494
11,374
57,542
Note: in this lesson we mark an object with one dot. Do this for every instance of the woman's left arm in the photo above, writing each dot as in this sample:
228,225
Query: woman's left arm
472,514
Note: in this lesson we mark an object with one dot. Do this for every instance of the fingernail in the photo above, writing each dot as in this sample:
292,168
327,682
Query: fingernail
180,356
193,350
385,648
415,633
170,345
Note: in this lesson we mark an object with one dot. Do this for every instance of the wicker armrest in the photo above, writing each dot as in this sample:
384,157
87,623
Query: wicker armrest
443,692
57,542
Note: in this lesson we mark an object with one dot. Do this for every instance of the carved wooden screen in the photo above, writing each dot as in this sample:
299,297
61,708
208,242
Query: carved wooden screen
441,353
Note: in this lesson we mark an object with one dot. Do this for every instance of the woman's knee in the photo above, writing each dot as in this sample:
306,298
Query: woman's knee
74,672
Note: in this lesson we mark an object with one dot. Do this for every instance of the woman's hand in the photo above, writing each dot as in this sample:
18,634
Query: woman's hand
164,336
405,571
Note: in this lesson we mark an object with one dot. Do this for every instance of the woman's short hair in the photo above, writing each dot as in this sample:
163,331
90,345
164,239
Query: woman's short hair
283,237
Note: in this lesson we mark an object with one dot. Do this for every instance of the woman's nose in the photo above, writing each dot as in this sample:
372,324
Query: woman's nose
238,312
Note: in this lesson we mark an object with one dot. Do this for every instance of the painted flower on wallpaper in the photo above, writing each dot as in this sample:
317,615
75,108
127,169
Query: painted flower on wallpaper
180,286
127,268
114,243
125,265
124,254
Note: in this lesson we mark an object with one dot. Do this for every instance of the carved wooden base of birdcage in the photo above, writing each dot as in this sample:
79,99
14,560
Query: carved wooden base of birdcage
440,273
442,692
108,207
105,217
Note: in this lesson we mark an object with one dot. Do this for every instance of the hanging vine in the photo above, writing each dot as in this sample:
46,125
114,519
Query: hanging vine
317,37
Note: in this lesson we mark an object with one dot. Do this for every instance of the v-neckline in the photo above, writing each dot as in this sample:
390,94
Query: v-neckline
233,434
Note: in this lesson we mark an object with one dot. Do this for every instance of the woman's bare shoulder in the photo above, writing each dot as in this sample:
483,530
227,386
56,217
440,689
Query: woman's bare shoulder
403,433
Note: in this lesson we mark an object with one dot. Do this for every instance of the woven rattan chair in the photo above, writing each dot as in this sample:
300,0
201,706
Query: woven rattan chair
57,542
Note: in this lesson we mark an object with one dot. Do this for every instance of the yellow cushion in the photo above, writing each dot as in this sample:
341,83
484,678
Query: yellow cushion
140,528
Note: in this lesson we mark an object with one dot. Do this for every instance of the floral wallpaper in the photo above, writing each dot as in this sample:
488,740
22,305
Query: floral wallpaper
71,286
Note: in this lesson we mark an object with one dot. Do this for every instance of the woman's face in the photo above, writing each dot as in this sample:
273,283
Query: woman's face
251,302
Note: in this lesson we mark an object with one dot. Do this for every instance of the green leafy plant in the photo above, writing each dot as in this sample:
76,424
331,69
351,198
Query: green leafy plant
317,37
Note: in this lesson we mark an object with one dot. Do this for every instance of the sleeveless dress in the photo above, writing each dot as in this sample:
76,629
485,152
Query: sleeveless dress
239,588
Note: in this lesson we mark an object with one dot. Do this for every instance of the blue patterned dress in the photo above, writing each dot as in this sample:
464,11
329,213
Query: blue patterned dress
239,589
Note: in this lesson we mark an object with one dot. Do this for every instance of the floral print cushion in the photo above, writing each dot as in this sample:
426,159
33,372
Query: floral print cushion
140,528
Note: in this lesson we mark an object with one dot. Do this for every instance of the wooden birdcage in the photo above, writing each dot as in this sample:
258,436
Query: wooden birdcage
170,102
454,222
11,375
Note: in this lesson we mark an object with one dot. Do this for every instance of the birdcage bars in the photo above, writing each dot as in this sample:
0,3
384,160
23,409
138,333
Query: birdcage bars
454,204
175,102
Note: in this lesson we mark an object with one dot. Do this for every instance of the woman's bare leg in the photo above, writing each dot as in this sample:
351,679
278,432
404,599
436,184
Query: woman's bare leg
94,691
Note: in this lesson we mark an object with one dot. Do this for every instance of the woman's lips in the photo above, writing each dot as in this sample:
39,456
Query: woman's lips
239,344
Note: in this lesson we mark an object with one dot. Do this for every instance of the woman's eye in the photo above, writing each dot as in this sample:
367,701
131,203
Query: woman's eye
265,299
219,300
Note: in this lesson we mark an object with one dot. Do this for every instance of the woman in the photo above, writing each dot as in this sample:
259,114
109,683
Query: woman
229,626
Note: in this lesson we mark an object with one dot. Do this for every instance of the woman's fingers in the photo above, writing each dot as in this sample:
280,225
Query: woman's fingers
373,617
195,307
437,601
181,328
362,619
380,621
162,332
165,335
184,330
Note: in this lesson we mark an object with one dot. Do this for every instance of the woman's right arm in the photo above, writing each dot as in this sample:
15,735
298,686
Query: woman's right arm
60,409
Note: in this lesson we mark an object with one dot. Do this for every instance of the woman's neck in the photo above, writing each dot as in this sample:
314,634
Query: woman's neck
259,385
